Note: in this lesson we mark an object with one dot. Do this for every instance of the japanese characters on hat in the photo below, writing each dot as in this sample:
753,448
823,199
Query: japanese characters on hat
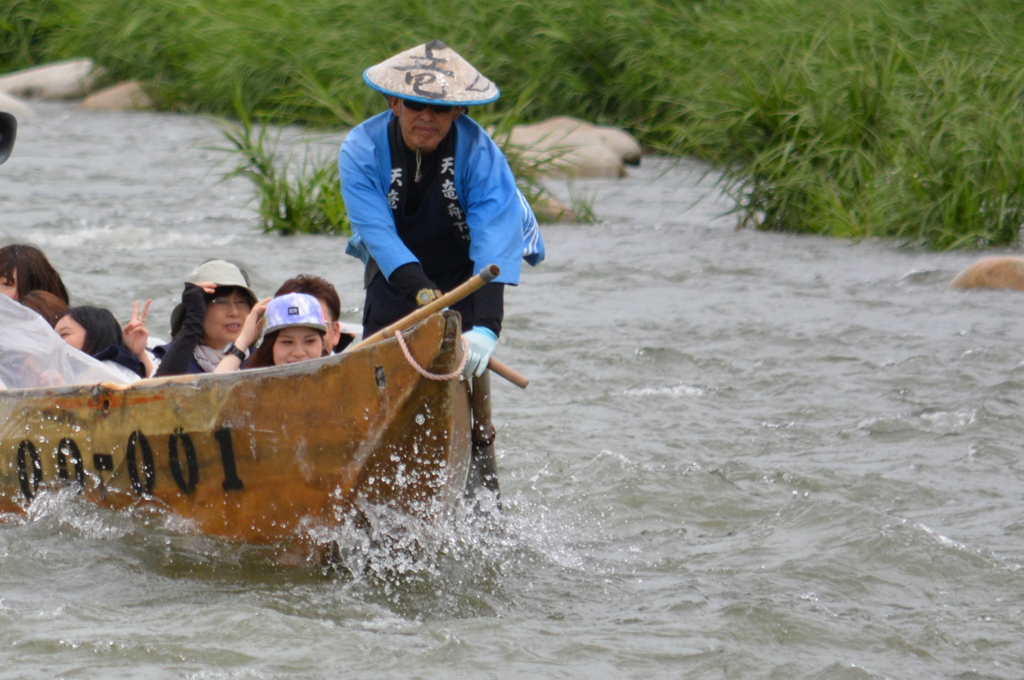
432,73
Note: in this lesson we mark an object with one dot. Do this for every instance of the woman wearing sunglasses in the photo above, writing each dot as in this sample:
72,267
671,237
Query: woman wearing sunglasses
431,197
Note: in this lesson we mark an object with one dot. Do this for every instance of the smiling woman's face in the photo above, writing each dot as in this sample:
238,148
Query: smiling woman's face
225,315
71,332
297,344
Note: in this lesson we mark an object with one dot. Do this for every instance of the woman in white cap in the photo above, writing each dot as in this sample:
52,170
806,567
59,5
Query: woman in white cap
295,332
216,300
431,197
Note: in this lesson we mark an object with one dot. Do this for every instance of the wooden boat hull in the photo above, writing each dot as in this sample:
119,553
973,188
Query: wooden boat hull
250,455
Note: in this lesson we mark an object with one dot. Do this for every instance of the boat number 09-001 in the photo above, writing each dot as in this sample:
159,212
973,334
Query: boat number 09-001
139,457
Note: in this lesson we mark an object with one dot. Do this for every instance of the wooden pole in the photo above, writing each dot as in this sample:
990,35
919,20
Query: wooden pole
486,275
514,377
483,470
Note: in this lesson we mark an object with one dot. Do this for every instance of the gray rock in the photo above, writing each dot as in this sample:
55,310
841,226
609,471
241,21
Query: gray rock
14,106
128,96
577,148
71,79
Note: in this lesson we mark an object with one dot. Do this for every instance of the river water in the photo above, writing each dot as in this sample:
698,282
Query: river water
742,455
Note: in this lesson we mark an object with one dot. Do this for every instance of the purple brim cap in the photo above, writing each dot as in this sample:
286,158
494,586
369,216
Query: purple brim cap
295,309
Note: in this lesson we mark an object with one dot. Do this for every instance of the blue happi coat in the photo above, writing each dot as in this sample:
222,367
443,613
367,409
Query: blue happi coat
502,227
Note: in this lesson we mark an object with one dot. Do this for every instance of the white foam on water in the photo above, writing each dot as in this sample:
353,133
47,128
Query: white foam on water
674,391
464,561
64,508
943,540
126,238
949,422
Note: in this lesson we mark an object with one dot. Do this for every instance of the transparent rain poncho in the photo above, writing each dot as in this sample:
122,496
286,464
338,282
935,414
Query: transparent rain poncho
33,355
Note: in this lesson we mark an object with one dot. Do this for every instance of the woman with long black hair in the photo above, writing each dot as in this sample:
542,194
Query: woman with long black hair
95,331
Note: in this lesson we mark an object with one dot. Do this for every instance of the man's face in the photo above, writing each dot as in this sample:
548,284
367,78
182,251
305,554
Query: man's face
423,130
333,327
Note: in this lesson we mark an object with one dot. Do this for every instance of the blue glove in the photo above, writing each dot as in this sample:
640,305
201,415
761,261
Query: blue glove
481,346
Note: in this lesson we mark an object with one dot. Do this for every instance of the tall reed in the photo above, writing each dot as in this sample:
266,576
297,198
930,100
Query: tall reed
299,191
294,195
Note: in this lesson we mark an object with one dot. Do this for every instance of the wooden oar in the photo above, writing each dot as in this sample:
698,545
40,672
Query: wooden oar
514,377
483,467
486,275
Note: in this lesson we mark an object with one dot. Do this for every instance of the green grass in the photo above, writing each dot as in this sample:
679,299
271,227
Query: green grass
299,192
294,195
898,119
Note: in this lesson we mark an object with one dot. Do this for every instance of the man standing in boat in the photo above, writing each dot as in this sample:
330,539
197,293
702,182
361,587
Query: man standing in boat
431,197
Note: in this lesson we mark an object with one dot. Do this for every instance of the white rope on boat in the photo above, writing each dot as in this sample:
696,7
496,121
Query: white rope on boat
434,376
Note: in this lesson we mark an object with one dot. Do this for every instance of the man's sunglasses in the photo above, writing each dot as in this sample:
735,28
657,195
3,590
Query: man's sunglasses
419,106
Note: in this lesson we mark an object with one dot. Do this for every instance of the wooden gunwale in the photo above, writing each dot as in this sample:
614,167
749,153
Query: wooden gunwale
251,455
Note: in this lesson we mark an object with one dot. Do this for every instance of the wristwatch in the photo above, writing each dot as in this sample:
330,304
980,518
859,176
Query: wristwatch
231,349
425,296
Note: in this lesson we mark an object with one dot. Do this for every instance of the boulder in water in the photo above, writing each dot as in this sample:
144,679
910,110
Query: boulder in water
14,106
1005,271
127,96
71,79
577,148
550,209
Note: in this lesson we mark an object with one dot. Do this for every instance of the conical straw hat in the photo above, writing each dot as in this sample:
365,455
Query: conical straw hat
431,73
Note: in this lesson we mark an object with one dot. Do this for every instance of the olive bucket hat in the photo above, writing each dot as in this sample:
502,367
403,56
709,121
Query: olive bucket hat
432,74
221,273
